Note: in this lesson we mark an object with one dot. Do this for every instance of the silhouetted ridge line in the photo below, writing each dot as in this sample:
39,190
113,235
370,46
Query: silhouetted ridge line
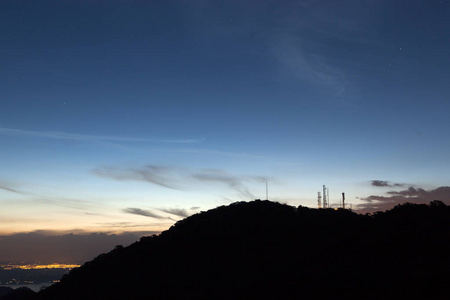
267,250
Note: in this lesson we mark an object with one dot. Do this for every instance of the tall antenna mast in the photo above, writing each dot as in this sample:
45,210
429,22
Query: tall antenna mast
328,197
267,191
325,196
319,200
343,200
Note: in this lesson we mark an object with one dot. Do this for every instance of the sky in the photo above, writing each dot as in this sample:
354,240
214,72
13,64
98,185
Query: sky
122,117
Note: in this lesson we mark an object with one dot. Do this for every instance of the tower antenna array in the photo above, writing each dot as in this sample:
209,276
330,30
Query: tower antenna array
319,200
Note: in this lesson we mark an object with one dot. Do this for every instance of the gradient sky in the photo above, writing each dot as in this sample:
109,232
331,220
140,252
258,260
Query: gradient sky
125,116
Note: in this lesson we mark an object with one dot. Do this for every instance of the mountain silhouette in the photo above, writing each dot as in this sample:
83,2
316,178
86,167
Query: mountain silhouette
268,250
21,293
5,290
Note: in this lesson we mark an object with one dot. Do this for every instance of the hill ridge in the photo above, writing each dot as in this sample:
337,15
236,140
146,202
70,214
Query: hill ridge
267,250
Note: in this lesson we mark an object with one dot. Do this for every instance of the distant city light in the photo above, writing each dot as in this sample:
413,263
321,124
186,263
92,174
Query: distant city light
38,266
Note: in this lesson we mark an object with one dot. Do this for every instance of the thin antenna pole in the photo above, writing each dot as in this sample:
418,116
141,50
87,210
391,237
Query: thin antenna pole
267,191
328,197
319,200
343,200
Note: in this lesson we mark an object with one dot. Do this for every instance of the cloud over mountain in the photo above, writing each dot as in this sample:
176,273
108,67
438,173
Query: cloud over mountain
180,212
50,247
142,212
412,195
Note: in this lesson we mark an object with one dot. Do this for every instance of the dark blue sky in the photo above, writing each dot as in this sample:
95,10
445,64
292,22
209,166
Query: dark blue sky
127,115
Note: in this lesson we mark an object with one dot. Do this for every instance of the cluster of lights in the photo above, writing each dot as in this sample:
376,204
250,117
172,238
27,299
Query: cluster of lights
38,266
13,281
16,281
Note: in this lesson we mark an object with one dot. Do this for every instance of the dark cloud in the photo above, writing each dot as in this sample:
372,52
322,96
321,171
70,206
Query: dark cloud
383,183
380,183
5,188
180,212
411,195
195,207
176,211
52,247
142,212
159,175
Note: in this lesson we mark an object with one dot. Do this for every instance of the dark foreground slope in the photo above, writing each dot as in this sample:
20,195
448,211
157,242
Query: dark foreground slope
266,250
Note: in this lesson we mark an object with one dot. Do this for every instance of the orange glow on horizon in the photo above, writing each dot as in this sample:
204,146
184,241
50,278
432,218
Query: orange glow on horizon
38,266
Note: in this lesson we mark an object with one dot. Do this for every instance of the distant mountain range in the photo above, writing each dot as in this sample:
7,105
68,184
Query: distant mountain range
8,293
268,250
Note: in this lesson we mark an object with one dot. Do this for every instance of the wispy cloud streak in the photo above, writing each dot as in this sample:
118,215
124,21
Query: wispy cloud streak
178,178
180,212
313,67
222,153
159,175
87,138
234,182
142,212
8,189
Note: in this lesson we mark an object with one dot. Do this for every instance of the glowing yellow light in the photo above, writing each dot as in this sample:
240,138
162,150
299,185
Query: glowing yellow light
37,266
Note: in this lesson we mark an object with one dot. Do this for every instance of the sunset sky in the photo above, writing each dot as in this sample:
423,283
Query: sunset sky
126,116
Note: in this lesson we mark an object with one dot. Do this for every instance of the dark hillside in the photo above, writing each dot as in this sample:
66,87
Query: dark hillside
267,250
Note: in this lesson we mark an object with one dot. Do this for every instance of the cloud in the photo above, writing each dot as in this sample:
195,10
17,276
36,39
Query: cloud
260,179
412,195
141,212
178,178
65,202
180,212
222,153
5,188
159,175
5,185
133,225
51,247
441,193
298,47
234,182
310,66
383,183
303,40
88,138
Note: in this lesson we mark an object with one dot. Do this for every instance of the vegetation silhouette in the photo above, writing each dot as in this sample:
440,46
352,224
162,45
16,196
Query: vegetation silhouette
21,293
268,250
5,290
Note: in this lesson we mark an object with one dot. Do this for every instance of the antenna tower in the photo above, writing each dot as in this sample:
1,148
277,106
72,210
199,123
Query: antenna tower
267,191
328,198
319,200
343,200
